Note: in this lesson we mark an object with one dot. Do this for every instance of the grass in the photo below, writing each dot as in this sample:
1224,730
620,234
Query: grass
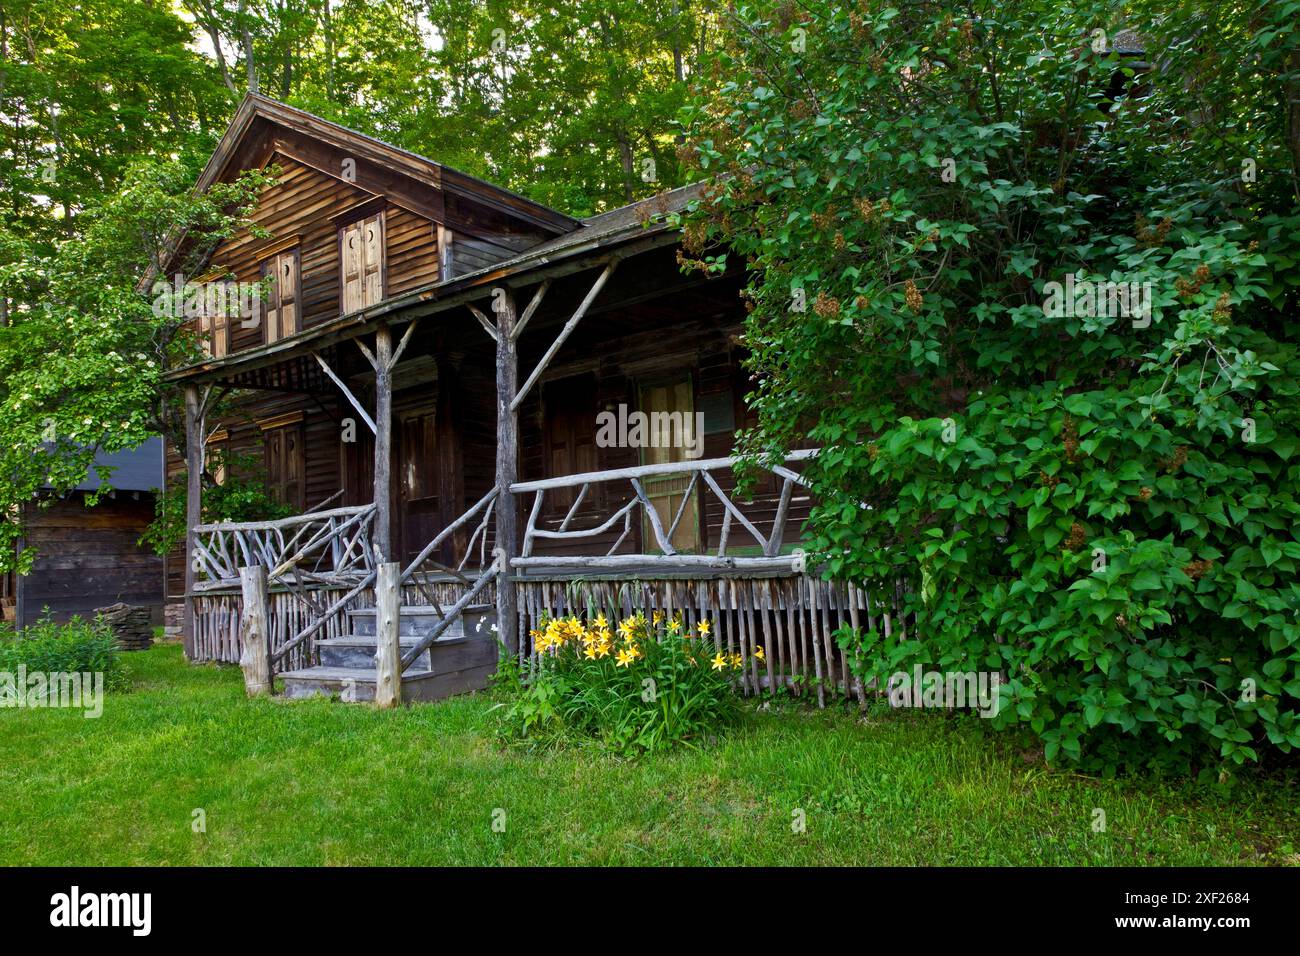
321,783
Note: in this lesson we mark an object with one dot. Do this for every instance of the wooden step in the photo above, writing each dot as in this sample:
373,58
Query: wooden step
354,685
358,651
419,619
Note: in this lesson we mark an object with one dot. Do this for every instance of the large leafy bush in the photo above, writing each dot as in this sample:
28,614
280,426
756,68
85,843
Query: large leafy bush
1102,506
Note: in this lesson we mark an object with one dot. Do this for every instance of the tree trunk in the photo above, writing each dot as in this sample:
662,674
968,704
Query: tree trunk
194,430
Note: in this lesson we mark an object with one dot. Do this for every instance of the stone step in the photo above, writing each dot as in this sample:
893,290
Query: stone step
418,620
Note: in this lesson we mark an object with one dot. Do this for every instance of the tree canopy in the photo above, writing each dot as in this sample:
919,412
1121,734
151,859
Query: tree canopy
109,109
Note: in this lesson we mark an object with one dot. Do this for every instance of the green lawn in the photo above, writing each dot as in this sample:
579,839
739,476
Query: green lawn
327,783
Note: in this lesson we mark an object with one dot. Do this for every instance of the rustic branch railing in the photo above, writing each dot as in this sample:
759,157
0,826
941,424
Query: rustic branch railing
700,481
485,572
321,549
324,547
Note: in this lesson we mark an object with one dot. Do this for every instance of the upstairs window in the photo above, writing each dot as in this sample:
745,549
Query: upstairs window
362,252
280,309
207,304
214,335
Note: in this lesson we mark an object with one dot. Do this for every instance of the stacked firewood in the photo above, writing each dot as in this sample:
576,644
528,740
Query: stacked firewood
132,625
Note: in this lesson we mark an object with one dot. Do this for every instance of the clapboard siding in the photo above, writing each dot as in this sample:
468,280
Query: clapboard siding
412,243
300,204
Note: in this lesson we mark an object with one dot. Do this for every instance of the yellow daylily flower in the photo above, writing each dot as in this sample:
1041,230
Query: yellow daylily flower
737,661
624,658
759,653
600,622
704,627
719,661
590,652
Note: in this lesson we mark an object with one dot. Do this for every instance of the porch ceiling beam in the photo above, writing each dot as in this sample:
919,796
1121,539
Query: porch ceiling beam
528,312
488,327
347,393
565,332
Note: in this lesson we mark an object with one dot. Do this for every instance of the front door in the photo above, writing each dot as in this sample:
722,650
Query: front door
670,410
419,499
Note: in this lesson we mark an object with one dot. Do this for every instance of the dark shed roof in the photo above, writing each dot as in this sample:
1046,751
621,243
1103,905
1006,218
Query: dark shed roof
138,469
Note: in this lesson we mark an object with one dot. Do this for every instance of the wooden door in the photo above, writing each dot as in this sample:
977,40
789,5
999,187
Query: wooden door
569,406
285,465
419,493
666,492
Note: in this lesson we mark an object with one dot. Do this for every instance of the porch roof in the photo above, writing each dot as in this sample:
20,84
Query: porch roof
623,232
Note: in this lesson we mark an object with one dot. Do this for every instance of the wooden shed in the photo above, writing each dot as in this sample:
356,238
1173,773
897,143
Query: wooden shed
90,556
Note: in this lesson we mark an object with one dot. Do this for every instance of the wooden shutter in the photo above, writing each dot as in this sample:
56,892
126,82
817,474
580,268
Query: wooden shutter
570,405
295,460
274,462
352,261
362,252
666,491
287,285
285,461
373,239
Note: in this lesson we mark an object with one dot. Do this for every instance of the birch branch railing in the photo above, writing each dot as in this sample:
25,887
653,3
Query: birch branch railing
699,481
325,547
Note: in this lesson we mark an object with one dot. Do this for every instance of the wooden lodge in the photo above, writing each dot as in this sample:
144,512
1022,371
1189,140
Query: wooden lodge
444,382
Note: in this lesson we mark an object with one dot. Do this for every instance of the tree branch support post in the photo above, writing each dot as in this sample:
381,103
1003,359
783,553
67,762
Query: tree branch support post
255,632
388,651
194,433
383,444
507,526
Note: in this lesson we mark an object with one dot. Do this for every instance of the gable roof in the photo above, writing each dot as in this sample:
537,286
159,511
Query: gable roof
257,110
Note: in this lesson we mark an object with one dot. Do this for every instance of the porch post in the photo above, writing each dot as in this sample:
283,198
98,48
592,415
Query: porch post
194,432
383,444
255,633
507,526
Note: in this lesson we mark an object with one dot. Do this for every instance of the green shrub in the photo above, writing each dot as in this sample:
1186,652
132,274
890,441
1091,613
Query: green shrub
1096,499
649,686
75,647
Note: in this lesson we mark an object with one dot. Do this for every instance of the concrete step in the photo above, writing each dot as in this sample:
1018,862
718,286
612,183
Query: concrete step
418,620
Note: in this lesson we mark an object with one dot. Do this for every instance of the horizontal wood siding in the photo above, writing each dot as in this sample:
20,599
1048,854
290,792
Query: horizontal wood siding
90,557
300,204
412,250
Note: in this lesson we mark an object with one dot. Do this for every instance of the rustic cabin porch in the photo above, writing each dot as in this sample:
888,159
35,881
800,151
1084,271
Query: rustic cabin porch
497,481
